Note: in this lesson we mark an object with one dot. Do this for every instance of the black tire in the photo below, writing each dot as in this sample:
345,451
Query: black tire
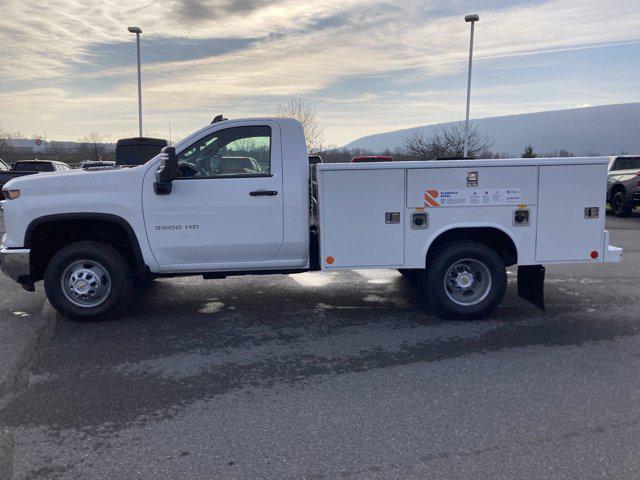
118,279
460,257
619,205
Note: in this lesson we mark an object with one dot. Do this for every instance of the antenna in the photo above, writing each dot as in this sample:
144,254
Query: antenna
219,118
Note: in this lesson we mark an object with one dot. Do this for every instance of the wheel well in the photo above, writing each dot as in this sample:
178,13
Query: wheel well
492,237
47,236
618,187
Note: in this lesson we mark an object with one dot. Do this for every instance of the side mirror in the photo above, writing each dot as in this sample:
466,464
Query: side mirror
167,171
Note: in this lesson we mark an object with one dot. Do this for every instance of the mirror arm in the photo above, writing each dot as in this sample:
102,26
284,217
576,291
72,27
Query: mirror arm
162,188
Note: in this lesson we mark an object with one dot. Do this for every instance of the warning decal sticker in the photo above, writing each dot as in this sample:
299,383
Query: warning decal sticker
470,198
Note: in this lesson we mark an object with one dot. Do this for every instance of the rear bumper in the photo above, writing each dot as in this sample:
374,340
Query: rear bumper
611,253
14,263
636,196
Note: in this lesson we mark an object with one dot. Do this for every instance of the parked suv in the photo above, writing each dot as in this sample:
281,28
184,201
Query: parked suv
372,158
623,184
31,167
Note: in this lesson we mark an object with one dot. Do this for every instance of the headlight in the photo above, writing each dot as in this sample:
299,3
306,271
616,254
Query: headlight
10,194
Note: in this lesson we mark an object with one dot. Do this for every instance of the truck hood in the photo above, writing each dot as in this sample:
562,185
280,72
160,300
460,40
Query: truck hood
110,192
75,181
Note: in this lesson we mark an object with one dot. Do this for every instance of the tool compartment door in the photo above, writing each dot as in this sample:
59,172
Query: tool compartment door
356,229
564,234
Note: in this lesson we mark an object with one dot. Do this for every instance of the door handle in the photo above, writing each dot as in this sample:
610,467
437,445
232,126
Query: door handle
263,193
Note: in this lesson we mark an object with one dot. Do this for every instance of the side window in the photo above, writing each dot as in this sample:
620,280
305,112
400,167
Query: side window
233,152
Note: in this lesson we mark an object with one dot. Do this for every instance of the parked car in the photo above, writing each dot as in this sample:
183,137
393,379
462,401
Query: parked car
372,158
458,224
97,164
39,166
31,167
137,151
623,184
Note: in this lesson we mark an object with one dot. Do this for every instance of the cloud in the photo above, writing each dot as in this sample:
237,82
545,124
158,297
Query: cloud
67,60
197,10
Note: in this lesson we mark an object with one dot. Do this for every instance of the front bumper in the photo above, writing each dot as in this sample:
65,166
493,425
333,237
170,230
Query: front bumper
14,263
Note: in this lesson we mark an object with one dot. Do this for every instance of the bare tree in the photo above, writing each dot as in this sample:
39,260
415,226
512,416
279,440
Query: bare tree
306,113
56,149
94,145
419,147
446,141
5,144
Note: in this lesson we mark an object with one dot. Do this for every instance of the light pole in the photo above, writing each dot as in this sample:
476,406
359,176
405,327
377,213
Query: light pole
469,19
138,31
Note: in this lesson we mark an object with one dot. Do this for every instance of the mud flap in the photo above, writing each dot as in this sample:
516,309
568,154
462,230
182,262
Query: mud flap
531,284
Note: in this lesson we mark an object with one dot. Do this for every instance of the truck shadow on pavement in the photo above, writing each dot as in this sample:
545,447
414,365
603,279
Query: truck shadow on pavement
188,340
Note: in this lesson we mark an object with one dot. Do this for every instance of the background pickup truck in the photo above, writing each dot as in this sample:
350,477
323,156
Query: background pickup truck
453,226
623,184
30,167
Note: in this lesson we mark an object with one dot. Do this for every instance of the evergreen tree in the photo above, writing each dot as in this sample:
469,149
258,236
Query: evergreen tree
529,152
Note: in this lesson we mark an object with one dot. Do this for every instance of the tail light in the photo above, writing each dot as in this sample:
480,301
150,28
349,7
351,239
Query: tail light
638,181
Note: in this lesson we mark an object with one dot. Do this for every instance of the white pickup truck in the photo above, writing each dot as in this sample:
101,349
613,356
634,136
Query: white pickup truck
452,225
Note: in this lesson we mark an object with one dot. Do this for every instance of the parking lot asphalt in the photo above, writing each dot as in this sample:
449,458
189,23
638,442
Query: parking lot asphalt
331,375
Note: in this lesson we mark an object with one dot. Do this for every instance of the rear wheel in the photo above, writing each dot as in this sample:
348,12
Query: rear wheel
466,280
619,205
87,281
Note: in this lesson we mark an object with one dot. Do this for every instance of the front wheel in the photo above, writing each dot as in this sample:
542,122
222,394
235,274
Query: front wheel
466,280
87,281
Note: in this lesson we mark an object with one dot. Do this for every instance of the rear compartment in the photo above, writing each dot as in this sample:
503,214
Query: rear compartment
387,215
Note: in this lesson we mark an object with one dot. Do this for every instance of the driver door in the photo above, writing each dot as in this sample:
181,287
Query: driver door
226,209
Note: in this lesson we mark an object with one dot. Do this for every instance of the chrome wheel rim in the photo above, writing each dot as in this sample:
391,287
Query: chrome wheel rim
467,282
86,283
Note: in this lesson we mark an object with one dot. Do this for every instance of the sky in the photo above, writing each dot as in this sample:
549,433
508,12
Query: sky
370,66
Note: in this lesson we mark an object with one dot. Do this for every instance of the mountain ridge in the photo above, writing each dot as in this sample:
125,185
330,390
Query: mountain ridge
599,130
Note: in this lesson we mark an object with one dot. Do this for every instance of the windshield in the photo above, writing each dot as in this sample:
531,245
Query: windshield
627,163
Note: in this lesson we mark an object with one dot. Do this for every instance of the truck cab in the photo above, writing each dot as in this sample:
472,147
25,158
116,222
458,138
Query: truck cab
253,218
